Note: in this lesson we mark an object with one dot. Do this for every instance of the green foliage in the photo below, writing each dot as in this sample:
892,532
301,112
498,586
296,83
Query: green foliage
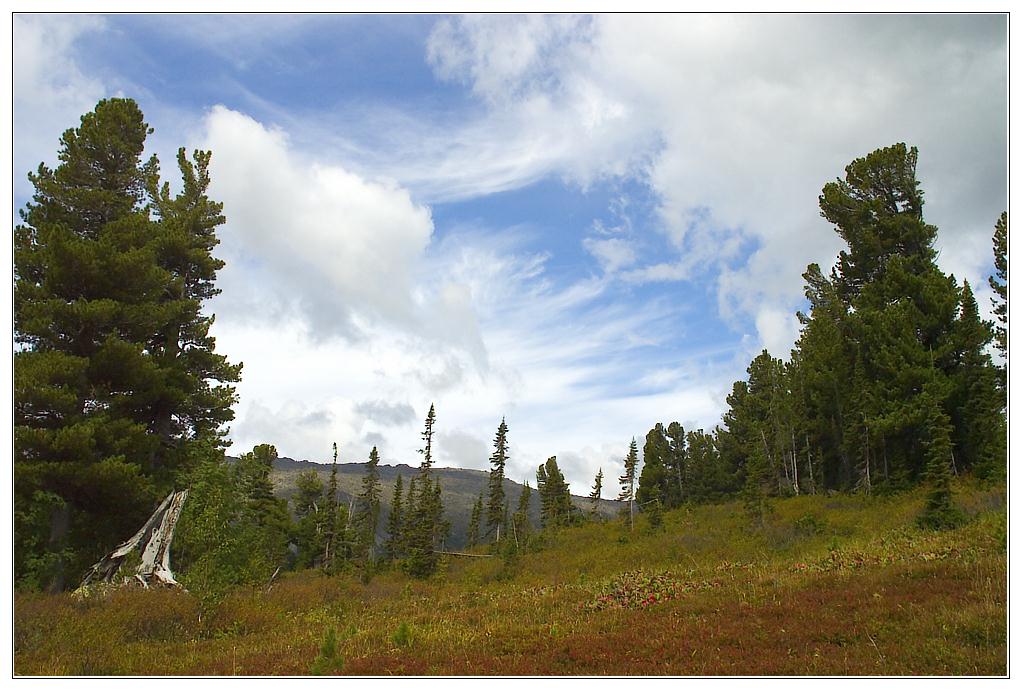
556,508
229,534
307,533
473,535
598,485
368,508
849,409
654,514
628,482
328,661
402,636
394,546
940,511
116,380
522,527
655,481
425,528
1000,282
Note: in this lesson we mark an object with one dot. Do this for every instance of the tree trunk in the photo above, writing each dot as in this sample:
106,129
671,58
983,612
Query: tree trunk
60,524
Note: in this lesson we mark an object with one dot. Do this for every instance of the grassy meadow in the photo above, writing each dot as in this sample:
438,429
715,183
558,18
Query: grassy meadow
831,585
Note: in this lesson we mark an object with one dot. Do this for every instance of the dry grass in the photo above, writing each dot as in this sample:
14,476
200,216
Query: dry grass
832,586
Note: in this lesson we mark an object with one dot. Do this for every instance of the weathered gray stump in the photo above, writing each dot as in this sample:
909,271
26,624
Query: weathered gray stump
153,540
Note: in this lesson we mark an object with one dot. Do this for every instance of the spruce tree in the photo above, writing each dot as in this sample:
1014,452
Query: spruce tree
261,509
118,392
368,507
754,495
473,535
308,531
940,511
332,521
427,528
395,522
598,483
520,520
1000,282
495,497
628,481
556,508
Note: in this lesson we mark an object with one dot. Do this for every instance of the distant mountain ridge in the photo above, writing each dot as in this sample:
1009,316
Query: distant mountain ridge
459,490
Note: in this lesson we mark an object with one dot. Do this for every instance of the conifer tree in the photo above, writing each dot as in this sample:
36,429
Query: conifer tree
676,465
427,528
473,536
308,531
118,392
940,511
976,400
332,520
754,496
598,483
368,503
628,481
556,508
654,479
395,522
1000,282
261,509
427,435
495,497
520,520
410,518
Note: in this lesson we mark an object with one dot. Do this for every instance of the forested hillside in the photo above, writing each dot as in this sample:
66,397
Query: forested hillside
459,489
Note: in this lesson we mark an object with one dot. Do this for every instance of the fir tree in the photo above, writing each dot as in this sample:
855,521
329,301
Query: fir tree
495,497
628,481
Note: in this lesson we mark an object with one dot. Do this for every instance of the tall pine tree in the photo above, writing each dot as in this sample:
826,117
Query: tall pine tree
118,392
628,482
368,507
495,486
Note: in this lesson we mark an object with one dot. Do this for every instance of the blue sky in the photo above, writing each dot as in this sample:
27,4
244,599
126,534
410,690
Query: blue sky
586,224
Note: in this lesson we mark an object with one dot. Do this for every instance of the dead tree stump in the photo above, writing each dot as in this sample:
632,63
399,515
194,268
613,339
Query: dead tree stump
153,541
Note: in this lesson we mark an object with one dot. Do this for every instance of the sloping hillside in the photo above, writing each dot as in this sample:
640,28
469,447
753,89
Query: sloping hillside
459,490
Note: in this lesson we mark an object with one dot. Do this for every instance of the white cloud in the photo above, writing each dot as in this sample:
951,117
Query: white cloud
736,122
612,253
50,90
341,249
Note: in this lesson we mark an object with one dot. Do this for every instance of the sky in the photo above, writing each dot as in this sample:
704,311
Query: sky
584,225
